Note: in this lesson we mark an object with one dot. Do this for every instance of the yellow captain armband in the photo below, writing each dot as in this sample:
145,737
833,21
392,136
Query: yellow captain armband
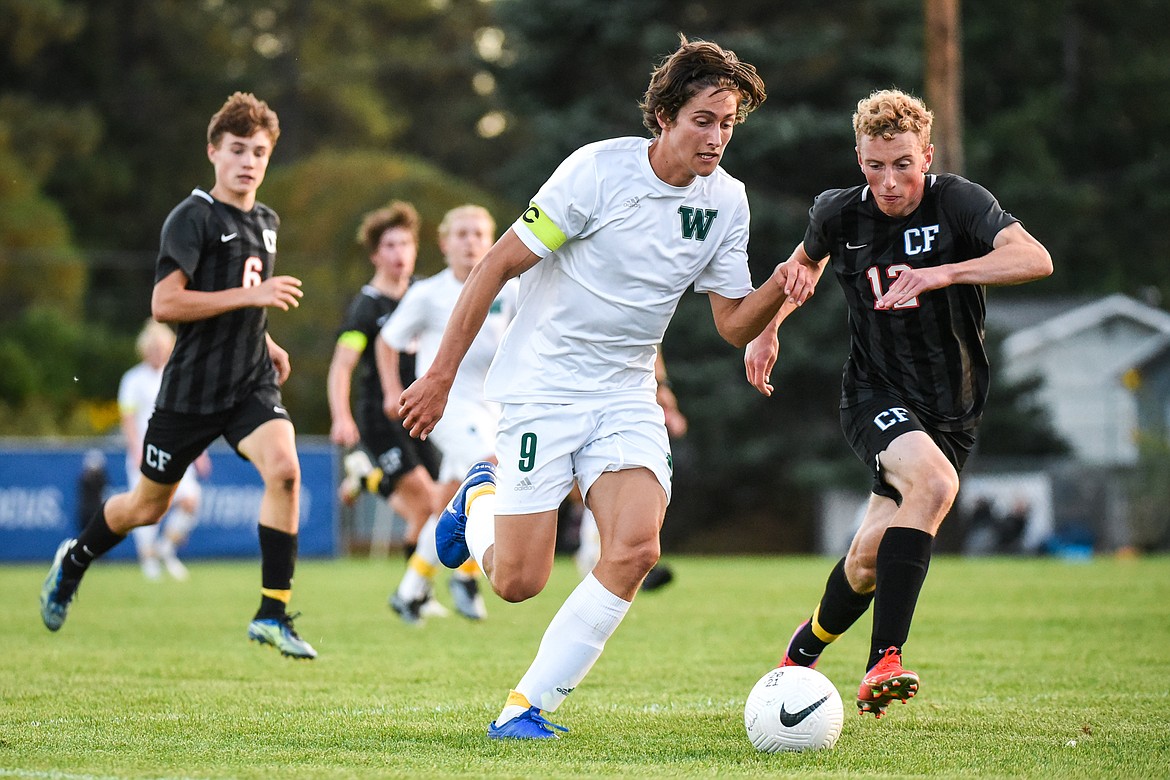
542,227
353,339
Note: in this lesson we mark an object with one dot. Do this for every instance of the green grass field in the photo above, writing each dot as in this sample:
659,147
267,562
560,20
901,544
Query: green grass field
1030,668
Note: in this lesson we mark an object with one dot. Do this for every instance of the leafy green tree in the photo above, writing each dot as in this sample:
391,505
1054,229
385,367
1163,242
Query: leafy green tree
321,201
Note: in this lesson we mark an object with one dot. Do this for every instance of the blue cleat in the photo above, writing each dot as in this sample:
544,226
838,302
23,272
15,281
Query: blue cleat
54,598
279,633
528,725
449,531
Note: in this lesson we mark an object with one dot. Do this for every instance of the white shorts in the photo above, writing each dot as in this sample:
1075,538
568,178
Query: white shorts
465,435
543,448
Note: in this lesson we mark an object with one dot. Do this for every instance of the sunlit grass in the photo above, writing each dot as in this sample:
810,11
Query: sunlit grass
1030,668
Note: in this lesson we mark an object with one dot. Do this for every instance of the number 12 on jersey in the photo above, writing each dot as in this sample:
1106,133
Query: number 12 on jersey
874,274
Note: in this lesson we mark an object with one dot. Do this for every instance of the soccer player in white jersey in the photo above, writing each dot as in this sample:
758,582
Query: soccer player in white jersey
136,394
467,432
604,253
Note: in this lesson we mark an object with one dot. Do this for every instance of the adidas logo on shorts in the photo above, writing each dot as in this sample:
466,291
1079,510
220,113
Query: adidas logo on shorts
524,484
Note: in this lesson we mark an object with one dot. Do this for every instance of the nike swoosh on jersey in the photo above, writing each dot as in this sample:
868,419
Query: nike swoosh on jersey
858,246
226,237
280,410
790,719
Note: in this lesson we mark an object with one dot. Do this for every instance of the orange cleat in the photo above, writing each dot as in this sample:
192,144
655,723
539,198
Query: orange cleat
887,681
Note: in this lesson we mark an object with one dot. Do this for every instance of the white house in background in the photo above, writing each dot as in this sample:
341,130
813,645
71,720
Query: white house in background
1105,366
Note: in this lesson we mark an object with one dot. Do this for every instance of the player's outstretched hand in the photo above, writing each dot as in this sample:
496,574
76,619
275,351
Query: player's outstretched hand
911,283
283,292
422,404
797,280
760,358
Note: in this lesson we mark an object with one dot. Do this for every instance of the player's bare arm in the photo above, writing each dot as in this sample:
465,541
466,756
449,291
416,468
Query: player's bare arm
741,320
760,356
171,301
280,360
1017,257
343,429
388,374
423,402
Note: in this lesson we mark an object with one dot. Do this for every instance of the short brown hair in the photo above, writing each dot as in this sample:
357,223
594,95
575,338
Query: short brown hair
888,112
398,214
695,66
243,114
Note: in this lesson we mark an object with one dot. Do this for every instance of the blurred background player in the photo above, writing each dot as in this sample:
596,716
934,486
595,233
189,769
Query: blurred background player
913,252
405,468
589,550
214,277
467,432
156,545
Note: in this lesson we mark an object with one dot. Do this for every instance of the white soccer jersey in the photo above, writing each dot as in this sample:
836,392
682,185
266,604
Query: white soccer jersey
619,247
419,321
136,394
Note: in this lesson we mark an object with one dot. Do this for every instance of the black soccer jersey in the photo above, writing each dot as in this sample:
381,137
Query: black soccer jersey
219,361
929,351
367,313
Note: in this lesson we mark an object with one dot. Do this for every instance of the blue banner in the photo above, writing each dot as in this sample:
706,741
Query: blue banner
40,494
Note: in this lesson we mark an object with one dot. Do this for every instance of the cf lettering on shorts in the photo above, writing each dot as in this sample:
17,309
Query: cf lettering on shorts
891,417
156,458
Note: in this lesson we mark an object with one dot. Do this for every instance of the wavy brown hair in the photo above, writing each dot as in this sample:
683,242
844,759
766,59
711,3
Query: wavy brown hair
243,114
398,214
695,66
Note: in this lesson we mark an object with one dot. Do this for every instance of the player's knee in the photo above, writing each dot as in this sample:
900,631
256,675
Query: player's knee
861,570
284,473
637,559
515,587
939,488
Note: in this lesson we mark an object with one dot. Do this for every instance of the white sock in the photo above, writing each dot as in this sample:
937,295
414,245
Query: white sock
480,532
572,643
426,548
420,569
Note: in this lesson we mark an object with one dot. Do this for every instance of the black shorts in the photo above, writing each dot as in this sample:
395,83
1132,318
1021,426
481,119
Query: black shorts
175,439
395,451
871,425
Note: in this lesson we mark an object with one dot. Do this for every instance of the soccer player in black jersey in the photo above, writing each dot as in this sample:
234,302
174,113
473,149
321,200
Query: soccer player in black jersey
214,280
406,468
913,252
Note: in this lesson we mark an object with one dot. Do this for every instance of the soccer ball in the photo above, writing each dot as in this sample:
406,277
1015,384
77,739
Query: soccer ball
793,708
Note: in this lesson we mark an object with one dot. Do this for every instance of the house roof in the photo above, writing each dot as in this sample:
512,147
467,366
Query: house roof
1049,327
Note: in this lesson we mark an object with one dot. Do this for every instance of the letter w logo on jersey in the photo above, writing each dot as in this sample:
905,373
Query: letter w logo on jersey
696,223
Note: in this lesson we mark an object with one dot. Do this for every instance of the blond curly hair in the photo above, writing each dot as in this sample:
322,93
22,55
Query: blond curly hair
888,112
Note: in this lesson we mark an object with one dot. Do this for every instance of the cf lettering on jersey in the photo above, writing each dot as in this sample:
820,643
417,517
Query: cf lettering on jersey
156,458
919,240
891,417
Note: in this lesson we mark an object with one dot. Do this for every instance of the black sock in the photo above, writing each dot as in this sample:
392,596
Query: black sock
95,541
278,557
903,558
408,549
839,608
